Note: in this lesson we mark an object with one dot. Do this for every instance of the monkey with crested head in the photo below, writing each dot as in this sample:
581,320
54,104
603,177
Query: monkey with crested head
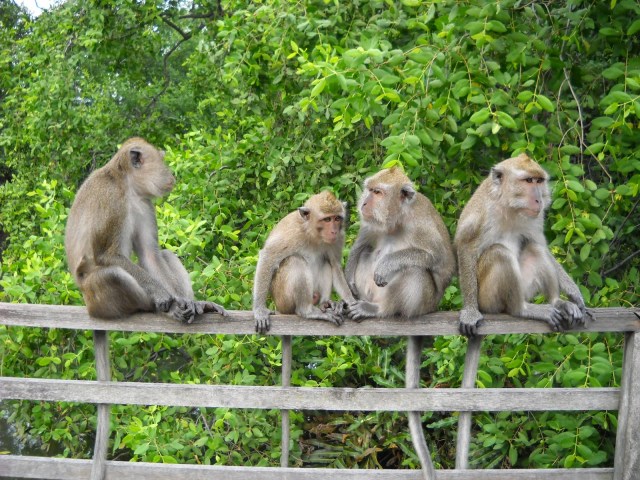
112,217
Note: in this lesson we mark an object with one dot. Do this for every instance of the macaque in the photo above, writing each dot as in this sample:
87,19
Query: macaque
301,264
112,217
402,259
400,265
503,258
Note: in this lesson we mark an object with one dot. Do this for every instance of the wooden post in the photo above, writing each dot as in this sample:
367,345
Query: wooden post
286,382
103,370
471,360
412,380
627,456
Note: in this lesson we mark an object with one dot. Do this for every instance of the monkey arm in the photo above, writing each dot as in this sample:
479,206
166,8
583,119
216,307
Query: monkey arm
571,289
261,284
162,299
401,260
470,314
357,249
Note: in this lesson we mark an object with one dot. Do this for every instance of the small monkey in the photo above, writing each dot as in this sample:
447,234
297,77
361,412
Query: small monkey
402,259
300,264
503,258
112,217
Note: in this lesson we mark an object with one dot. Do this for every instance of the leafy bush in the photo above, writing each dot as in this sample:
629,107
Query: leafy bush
261,104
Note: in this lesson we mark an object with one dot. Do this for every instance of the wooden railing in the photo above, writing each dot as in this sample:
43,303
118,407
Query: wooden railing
466,399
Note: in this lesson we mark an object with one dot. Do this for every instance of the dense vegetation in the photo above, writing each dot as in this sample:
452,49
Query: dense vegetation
260,104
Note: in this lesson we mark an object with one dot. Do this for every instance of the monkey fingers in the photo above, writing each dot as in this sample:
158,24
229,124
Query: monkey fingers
183,310
210,307
469,321
335,310
571,313
163,304
556,320
361,310
263,322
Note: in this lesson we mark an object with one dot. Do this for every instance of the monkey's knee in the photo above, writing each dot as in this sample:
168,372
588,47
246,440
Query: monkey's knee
111,292
291,288
413,295
499,282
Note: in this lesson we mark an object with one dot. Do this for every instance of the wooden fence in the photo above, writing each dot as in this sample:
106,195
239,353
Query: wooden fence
466,399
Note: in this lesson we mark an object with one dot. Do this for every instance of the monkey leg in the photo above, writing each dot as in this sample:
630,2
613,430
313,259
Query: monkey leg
293,291
176,277
111,292
409,295
501,288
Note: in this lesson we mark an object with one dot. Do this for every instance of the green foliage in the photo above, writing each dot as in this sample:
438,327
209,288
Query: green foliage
261,104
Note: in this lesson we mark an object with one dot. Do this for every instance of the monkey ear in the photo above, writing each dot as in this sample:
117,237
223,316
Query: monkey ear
135,154
407,193
496,175
304,212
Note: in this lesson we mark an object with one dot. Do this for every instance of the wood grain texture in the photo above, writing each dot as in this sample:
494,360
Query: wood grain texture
68,469
312,398
241,322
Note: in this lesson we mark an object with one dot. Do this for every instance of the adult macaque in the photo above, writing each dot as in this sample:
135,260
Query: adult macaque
112,217
300,264
400,264
503,256
402,260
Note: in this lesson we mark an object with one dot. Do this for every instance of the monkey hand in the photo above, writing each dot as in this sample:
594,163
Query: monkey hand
263,322
210,307
381,274
572,315
183,309
335,310
469,320
360,310
163,303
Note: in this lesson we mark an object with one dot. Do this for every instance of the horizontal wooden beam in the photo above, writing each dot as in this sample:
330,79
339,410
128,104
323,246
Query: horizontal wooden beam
69,469
312,398
241,322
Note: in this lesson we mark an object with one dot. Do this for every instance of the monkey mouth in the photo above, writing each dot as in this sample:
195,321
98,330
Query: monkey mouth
531,212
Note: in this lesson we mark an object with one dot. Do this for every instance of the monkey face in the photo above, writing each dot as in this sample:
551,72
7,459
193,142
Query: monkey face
329,228
150,176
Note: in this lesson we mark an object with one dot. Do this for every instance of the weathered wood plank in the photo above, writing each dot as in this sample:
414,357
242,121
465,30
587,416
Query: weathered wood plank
67,469
287,358
471,360
310,398
241,322
103,371
412,381
627,456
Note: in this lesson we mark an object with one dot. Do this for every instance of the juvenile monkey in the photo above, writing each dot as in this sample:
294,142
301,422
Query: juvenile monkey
112,217
402,259
300,264
503,258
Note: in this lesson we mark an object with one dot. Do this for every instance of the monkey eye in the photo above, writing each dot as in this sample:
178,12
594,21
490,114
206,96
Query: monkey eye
529,180
376,191
539,180
327,219
338,218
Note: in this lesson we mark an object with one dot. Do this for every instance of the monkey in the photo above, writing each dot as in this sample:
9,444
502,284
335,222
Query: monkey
402,259
400,265
112,216
503,257
301,263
